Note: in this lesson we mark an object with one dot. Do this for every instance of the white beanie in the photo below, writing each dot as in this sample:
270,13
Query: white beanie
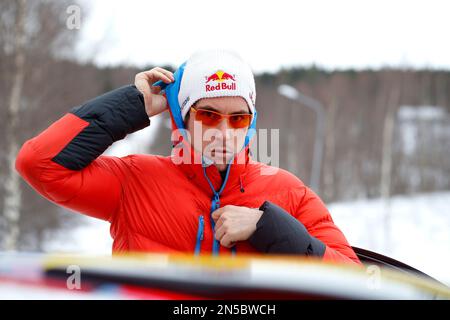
216,73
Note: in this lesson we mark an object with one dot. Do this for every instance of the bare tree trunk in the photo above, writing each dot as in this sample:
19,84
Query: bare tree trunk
292,139
12,200
386,154
386,162
330,143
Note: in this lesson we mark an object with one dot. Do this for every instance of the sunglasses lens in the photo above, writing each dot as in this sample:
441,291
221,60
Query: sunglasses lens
208,118
240,121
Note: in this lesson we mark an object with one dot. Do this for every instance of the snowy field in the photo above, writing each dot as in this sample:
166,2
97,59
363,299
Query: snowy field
419,231
412,229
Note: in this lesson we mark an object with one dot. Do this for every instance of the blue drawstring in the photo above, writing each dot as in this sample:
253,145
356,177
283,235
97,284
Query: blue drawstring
215,204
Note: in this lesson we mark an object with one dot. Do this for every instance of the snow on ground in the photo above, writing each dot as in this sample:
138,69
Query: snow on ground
91,237
419,231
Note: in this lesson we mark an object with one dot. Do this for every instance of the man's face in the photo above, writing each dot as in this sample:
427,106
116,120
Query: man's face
221,141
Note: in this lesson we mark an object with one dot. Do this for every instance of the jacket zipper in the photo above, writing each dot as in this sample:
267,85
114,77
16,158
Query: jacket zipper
200,231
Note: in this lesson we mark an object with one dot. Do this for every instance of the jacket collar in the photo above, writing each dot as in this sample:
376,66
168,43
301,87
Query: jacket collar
192,167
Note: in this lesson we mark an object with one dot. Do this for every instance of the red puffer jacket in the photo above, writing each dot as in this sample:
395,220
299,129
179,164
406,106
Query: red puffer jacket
152,203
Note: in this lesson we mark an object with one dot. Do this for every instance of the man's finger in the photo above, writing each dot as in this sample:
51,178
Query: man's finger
163,77
220,233
220,221
227,241
153,76
166,72
217,213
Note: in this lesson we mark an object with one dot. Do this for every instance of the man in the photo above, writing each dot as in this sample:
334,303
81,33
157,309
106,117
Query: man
209,196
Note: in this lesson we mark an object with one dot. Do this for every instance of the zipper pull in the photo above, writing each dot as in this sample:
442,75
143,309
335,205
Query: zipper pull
216,201
202,228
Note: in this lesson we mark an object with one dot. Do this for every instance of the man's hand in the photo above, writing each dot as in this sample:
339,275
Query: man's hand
234,223
155,103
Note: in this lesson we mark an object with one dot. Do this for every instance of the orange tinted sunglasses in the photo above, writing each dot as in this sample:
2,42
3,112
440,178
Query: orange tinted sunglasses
212,118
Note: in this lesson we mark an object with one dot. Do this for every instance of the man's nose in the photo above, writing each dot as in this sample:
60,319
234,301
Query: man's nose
224,129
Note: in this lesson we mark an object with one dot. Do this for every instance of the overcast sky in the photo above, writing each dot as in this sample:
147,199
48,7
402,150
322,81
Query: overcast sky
269,34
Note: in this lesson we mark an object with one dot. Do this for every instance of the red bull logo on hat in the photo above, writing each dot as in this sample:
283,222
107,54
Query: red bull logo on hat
216,81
